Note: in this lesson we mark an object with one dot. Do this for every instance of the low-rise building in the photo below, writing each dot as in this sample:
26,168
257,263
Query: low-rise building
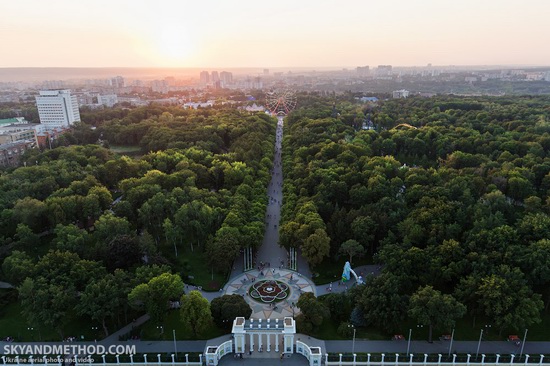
10,154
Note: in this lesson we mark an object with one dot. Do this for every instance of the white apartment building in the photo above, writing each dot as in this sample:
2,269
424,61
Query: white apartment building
57,108
108,100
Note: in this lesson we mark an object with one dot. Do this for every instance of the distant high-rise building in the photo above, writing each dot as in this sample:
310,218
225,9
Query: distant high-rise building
215,76
362,71
117,82
204,77
384,70
226,77
266,71
57,108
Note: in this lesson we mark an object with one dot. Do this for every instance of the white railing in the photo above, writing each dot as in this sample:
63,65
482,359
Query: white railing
224,348
392,360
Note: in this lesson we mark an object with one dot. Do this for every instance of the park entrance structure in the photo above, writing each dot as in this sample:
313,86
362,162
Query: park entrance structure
278,337
280,102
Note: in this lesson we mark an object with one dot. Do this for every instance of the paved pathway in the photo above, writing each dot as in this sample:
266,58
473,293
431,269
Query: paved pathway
270,251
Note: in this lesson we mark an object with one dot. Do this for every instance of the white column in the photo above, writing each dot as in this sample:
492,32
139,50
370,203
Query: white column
276,342
259,341
483,358
268,342
251,342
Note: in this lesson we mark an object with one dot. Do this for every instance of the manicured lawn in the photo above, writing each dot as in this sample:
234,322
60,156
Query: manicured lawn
329,330
150,330
13,324
330,270
194,264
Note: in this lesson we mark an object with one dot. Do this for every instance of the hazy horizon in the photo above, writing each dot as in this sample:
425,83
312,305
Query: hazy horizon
251,34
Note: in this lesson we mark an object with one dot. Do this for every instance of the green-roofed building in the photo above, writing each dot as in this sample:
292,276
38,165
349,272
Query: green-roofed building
11,121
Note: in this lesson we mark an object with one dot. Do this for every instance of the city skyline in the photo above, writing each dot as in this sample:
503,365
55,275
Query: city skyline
286,34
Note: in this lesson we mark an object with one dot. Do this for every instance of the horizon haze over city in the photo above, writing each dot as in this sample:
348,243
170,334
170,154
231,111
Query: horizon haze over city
173,34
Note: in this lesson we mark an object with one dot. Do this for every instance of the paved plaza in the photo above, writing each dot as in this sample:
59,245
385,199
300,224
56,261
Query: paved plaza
297,284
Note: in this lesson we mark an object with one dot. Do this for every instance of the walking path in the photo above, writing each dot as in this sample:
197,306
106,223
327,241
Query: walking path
270,251
5,285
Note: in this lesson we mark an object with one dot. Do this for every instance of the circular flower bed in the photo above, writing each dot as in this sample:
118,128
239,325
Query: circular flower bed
269,291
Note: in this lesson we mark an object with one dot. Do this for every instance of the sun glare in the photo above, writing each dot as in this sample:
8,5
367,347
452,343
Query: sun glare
173,43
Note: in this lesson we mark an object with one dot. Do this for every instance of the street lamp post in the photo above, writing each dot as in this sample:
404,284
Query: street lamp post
409,342
523,343
451,344
353,343
175,346
479,343
95,329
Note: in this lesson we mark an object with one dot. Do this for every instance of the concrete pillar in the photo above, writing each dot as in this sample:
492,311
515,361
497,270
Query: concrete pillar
396,358
145,358
425,358
512,356
340,358
158,358
102,356
46,360
117,360
276,342
368,358
200,358
260,344
541,358
17,359
454,358
31,360
439,358
186,357
173,359
468,360
251,342
268,342
239,342
354,358
410,358
383,356
289,331
483,358
526,359
498,357
131,359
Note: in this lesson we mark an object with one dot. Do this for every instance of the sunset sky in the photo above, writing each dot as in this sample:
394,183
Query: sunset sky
283,33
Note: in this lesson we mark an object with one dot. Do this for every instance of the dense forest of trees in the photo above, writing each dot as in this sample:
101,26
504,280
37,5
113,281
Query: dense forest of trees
200,186
450,195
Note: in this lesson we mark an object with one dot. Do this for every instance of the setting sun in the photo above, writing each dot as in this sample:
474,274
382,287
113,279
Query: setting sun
172,44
